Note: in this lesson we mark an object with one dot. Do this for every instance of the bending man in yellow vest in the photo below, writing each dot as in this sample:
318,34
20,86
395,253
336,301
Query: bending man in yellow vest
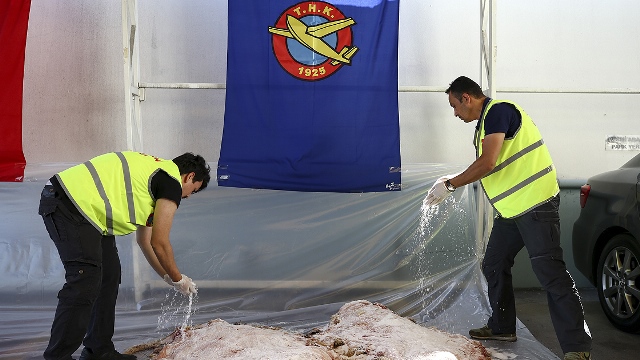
517,174
84,208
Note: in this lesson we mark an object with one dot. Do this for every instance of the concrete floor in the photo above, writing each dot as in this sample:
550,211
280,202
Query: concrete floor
608,342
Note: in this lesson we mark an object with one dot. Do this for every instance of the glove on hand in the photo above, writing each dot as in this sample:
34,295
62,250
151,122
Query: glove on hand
438,192
167,279
186,286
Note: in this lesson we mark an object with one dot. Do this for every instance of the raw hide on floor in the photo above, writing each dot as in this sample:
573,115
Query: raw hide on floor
359,331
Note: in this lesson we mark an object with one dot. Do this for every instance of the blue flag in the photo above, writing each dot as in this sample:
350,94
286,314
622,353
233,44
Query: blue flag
312,96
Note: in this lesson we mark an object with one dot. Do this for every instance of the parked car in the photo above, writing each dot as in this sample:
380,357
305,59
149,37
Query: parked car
606,242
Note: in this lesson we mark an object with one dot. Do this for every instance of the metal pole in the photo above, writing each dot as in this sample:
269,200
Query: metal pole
488,52
493,49
131,62
126,60
406,88
132,110
137,93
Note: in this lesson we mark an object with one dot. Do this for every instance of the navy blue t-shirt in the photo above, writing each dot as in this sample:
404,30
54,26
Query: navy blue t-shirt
501,118
163,186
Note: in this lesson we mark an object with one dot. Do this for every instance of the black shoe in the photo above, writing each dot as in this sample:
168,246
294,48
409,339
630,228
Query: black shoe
109,355
577,356
484,333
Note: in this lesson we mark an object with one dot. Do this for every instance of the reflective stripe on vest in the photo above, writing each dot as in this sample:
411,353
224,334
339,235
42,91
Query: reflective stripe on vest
524,176
113,191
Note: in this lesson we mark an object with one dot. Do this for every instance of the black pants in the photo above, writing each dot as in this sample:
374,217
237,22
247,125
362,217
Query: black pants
539,231
86,303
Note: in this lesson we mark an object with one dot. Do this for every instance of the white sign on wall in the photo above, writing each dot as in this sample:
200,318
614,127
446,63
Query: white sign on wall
622,142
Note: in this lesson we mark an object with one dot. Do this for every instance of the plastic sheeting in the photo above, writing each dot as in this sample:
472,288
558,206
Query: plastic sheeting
278,258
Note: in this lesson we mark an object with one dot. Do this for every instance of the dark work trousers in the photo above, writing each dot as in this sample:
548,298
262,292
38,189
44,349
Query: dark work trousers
86,303
539,231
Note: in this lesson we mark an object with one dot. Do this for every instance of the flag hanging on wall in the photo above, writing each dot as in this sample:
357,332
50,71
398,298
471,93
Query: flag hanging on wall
14,18
312,96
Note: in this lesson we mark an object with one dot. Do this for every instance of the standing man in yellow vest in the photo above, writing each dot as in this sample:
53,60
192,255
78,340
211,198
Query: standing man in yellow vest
517,174
84,208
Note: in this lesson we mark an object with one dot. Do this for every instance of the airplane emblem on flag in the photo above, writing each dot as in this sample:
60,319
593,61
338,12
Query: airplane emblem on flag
319,28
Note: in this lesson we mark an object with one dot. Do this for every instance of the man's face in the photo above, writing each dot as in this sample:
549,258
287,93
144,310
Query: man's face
189,186
462,108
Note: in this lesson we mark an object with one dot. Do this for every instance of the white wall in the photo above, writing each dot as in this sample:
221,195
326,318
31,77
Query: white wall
74,98
573,44
73,105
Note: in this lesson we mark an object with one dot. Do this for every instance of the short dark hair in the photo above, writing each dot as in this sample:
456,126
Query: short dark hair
463,85
190,163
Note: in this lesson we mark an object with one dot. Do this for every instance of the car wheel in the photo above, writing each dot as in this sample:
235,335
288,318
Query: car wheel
618,279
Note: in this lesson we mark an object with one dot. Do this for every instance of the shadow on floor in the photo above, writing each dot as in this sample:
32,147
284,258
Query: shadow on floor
608,342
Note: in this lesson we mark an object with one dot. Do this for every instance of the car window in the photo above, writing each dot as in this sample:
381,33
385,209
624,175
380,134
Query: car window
633,163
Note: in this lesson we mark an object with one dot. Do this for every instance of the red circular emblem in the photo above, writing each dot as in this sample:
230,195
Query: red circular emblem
312,40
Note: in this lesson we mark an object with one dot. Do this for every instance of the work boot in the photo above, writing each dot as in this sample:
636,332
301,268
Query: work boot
109,355
484,333
577,356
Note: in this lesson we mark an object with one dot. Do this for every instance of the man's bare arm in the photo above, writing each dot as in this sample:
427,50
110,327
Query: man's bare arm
491,147
159,241
143,237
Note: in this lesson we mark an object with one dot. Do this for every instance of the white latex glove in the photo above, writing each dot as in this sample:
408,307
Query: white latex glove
438,192
167,279
186,286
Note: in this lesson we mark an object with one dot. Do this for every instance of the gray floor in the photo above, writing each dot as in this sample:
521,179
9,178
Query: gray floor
608,342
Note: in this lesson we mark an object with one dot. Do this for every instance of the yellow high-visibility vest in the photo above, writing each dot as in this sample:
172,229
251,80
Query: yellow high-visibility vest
524,176
113,191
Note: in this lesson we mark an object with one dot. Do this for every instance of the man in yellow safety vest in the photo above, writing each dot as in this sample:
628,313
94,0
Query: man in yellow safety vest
84,208
517,174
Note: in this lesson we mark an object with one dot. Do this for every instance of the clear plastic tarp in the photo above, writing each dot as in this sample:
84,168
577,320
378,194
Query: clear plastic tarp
277,258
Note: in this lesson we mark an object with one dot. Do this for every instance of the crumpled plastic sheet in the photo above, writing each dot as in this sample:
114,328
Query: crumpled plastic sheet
277,258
